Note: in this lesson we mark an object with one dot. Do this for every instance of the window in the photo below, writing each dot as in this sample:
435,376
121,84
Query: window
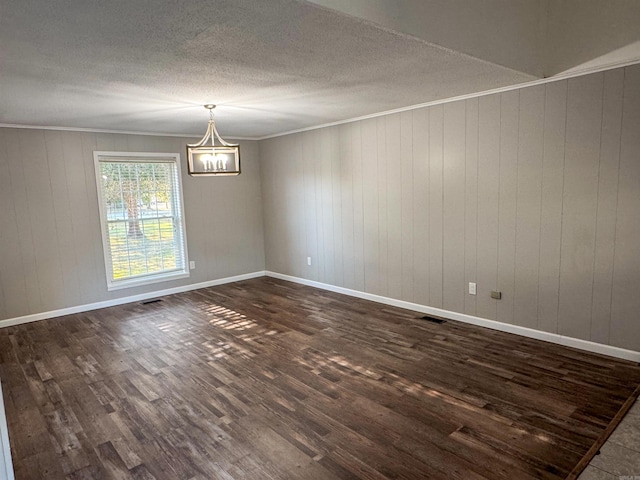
140,201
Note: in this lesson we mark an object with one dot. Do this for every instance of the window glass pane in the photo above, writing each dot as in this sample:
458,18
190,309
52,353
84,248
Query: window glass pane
142,218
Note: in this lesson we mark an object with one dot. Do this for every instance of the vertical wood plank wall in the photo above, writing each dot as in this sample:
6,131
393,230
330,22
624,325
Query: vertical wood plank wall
534,192
50,241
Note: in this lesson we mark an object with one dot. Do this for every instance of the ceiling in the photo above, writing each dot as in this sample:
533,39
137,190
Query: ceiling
281,65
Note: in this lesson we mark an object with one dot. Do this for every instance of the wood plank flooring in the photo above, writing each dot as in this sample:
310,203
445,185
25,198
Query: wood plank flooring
265,379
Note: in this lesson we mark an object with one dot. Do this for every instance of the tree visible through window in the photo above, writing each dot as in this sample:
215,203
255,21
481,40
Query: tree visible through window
142,223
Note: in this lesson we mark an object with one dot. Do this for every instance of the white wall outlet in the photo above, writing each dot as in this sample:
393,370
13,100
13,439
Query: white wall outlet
192,265
308,260
472,288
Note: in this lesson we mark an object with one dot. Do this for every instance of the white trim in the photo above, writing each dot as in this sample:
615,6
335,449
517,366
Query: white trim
6,465
120,301
540,81
482,322
148,279
117,132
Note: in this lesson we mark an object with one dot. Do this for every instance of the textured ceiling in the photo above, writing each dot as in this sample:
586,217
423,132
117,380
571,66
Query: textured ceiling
542,37
271,66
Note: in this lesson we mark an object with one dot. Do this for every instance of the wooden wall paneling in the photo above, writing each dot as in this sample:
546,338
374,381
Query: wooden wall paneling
580,201
194,206
310,203
371,198
246,194
162,144
20,195
285,210
121,143
79,211
625,327
358,206
14,285
529,200
137,143
194,245
106,142
531,192
383,207
269,153
393,162
336,202
59,241
92,216
407,215
232,225
150,143
346,170
436,132
314,145
471,203
488,202
509,115
555,115
270,206
608,172
277,230
453,223
327,149
420,153
282,182
62,214
297,203
282,208
277,208
222,228
287,181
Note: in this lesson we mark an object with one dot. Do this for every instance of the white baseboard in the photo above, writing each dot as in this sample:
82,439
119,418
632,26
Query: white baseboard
119,301
482,322
6,465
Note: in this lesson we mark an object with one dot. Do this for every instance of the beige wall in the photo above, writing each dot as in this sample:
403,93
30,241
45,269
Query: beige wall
534,192
50,242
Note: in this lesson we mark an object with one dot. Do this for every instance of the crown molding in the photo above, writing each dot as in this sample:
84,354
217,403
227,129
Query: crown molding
117,132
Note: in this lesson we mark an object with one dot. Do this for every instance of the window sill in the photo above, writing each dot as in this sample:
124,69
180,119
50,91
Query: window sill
139,282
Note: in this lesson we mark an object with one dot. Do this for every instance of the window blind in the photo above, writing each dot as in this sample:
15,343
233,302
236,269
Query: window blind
142,218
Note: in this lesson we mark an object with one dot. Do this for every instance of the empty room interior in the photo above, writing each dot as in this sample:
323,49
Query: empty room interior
320,239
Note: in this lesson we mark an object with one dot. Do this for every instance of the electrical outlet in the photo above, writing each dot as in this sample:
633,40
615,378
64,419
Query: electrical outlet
192,265
472,288
308,260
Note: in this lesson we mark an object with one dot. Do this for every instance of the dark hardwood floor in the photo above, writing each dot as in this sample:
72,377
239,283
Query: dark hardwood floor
265,379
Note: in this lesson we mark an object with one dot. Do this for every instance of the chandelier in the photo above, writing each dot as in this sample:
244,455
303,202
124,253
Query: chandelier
207,158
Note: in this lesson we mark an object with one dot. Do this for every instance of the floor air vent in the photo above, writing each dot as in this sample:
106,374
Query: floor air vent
431,319
155,300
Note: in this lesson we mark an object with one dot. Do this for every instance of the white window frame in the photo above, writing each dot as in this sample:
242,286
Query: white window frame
138,157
